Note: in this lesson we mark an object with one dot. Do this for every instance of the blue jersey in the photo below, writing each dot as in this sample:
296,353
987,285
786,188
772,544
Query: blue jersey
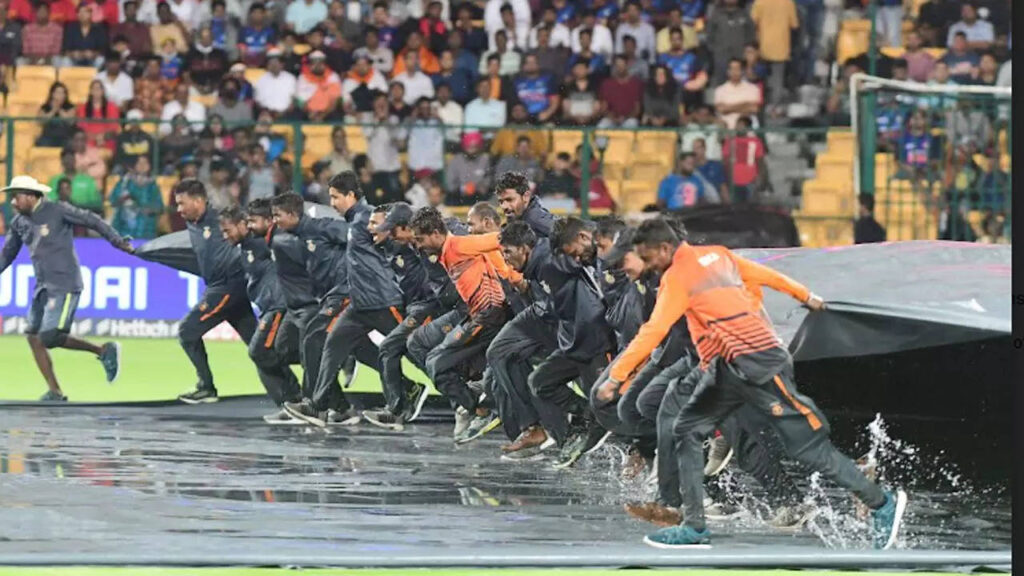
683,66
257,40
596,65
534,93
713,172
889,121
678,191
915,150
171,69
692,10
219,29
387,35
609,10
566,14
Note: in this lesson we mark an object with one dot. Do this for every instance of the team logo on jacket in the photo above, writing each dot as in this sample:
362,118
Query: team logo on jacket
206,232
399,261
44,230
263,325
608,278
249,256
641,288
310,245
446,328
776,409
433,258
203,306
545,286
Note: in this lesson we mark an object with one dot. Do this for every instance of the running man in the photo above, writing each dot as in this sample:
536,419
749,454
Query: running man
515,197
751,365
47,228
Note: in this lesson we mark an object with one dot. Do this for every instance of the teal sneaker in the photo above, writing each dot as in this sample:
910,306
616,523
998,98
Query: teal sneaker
887,519
679,537
110,357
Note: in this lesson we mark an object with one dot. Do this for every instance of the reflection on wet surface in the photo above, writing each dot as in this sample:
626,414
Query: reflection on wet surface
111,479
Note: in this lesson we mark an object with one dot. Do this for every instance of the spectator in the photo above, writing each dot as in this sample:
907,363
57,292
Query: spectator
693,10
293,62
743,156
59,114
468,176
104,12
273,144
919,62
382,58
188,12
916,152
450,114
318,90
775,21
500,86
756,68
493,21
396,101
98,134
811,15
580,105
318,190
417,84
343,32
558,33
662,42
61,11
426,191
465,59
993,186
963,64
257,37
621,95
137,202
64,194
687,69
258,181
84,41
194,112
565,11
729,30
1005,80
838,104
536,91
889,124
508,59
937,101
131,143
426,60
229,106
168,28
978,33
340,159
180,142
171,63
711,170
426,138
686,189
736,97
597,66
518,36
275,90
381,20
42,40
967,123
505,141
150,89
551,59
359,85
10,38
85,191
641,31
131,64
459,80
867,230
116,84
704,125
136,33
559,184
383,139
222,191
205,63
661,99
606,11
224,32
601,36
485,111
637,67
889,21
993,228
434,28
988,70
522,161
245,89
222,138
303,15
474,39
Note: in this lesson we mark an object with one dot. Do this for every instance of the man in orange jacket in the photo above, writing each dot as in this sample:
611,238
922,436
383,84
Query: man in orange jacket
708,286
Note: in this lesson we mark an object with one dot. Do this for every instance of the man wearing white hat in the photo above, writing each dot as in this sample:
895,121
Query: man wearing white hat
47,229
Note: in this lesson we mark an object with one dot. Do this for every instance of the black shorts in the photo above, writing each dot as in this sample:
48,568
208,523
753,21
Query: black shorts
52,311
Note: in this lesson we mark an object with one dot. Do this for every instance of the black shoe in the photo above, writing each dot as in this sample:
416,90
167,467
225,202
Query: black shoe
110,357
52,396
572,450
200,396
385,419
305,411
414,401
596,437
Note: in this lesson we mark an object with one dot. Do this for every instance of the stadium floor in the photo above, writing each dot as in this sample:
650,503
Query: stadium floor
211,485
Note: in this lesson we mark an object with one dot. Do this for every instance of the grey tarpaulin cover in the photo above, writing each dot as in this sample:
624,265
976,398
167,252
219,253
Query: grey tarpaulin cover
175,249
885,298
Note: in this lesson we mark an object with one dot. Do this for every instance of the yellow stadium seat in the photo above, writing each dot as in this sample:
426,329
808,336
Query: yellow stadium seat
893,51
166,185
77,79
648,171
30,91
301,49
817,232
614,189
43,72
837,175
636,194
936,53
43,163
823,197
565,141
355,139
613,172
254,74
851,41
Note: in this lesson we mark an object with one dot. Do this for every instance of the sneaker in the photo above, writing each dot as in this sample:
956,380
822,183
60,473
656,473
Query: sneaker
200,396
719,455
886,520
479,426
110,357
462,420
417,397
572,450
305,411
350,417
281,417
679,537
793,516
654,512
52,396
596,437
384,418
532,437
721,510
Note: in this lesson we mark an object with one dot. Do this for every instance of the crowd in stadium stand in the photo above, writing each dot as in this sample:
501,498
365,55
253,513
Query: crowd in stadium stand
442,78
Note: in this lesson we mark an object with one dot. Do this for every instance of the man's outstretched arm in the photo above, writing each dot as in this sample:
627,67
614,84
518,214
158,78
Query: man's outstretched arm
12,244
79,217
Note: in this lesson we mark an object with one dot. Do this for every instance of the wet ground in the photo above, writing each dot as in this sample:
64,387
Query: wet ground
163,484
